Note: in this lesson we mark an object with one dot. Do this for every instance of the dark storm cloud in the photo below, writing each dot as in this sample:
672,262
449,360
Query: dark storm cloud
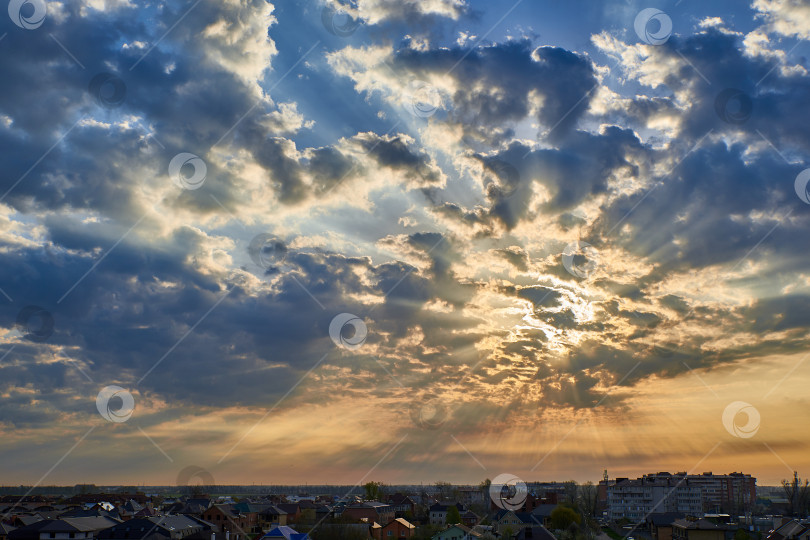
496,84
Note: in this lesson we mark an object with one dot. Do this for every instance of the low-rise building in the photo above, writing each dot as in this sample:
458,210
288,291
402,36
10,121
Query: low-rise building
397,528
175,527
697,529
456,532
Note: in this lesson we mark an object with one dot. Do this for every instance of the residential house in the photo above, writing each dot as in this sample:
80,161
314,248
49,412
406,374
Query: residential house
456,532
437,512
371,511
699,529
237,525
397,528
285,532
174,527
271,516
542,513
4,530
403,505
79,528
791,530
509,522
470,518
660,525
293,511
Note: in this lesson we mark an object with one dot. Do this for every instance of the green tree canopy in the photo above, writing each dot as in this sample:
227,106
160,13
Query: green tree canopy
453,515
373,490
562,517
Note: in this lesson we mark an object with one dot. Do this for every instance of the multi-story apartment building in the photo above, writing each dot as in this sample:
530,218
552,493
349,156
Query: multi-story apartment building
690,494
636,499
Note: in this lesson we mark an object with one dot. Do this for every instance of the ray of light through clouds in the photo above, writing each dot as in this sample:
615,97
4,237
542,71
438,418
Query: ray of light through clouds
565,236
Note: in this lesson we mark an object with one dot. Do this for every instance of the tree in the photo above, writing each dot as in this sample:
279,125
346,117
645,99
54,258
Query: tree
562,517
796,494
742,534
453,515
373,490
570,491
588,499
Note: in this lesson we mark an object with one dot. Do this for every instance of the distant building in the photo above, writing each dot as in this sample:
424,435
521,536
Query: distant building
688,494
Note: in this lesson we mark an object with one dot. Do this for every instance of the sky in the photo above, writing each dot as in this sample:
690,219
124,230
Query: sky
333,242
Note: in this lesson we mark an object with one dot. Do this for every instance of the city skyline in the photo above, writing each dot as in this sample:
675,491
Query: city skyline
340,241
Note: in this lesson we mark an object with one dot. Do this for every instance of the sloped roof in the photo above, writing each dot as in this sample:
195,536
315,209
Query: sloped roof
283,531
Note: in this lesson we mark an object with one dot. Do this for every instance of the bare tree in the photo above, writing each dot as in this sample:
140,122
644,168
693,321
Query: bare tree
588,499
796,494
